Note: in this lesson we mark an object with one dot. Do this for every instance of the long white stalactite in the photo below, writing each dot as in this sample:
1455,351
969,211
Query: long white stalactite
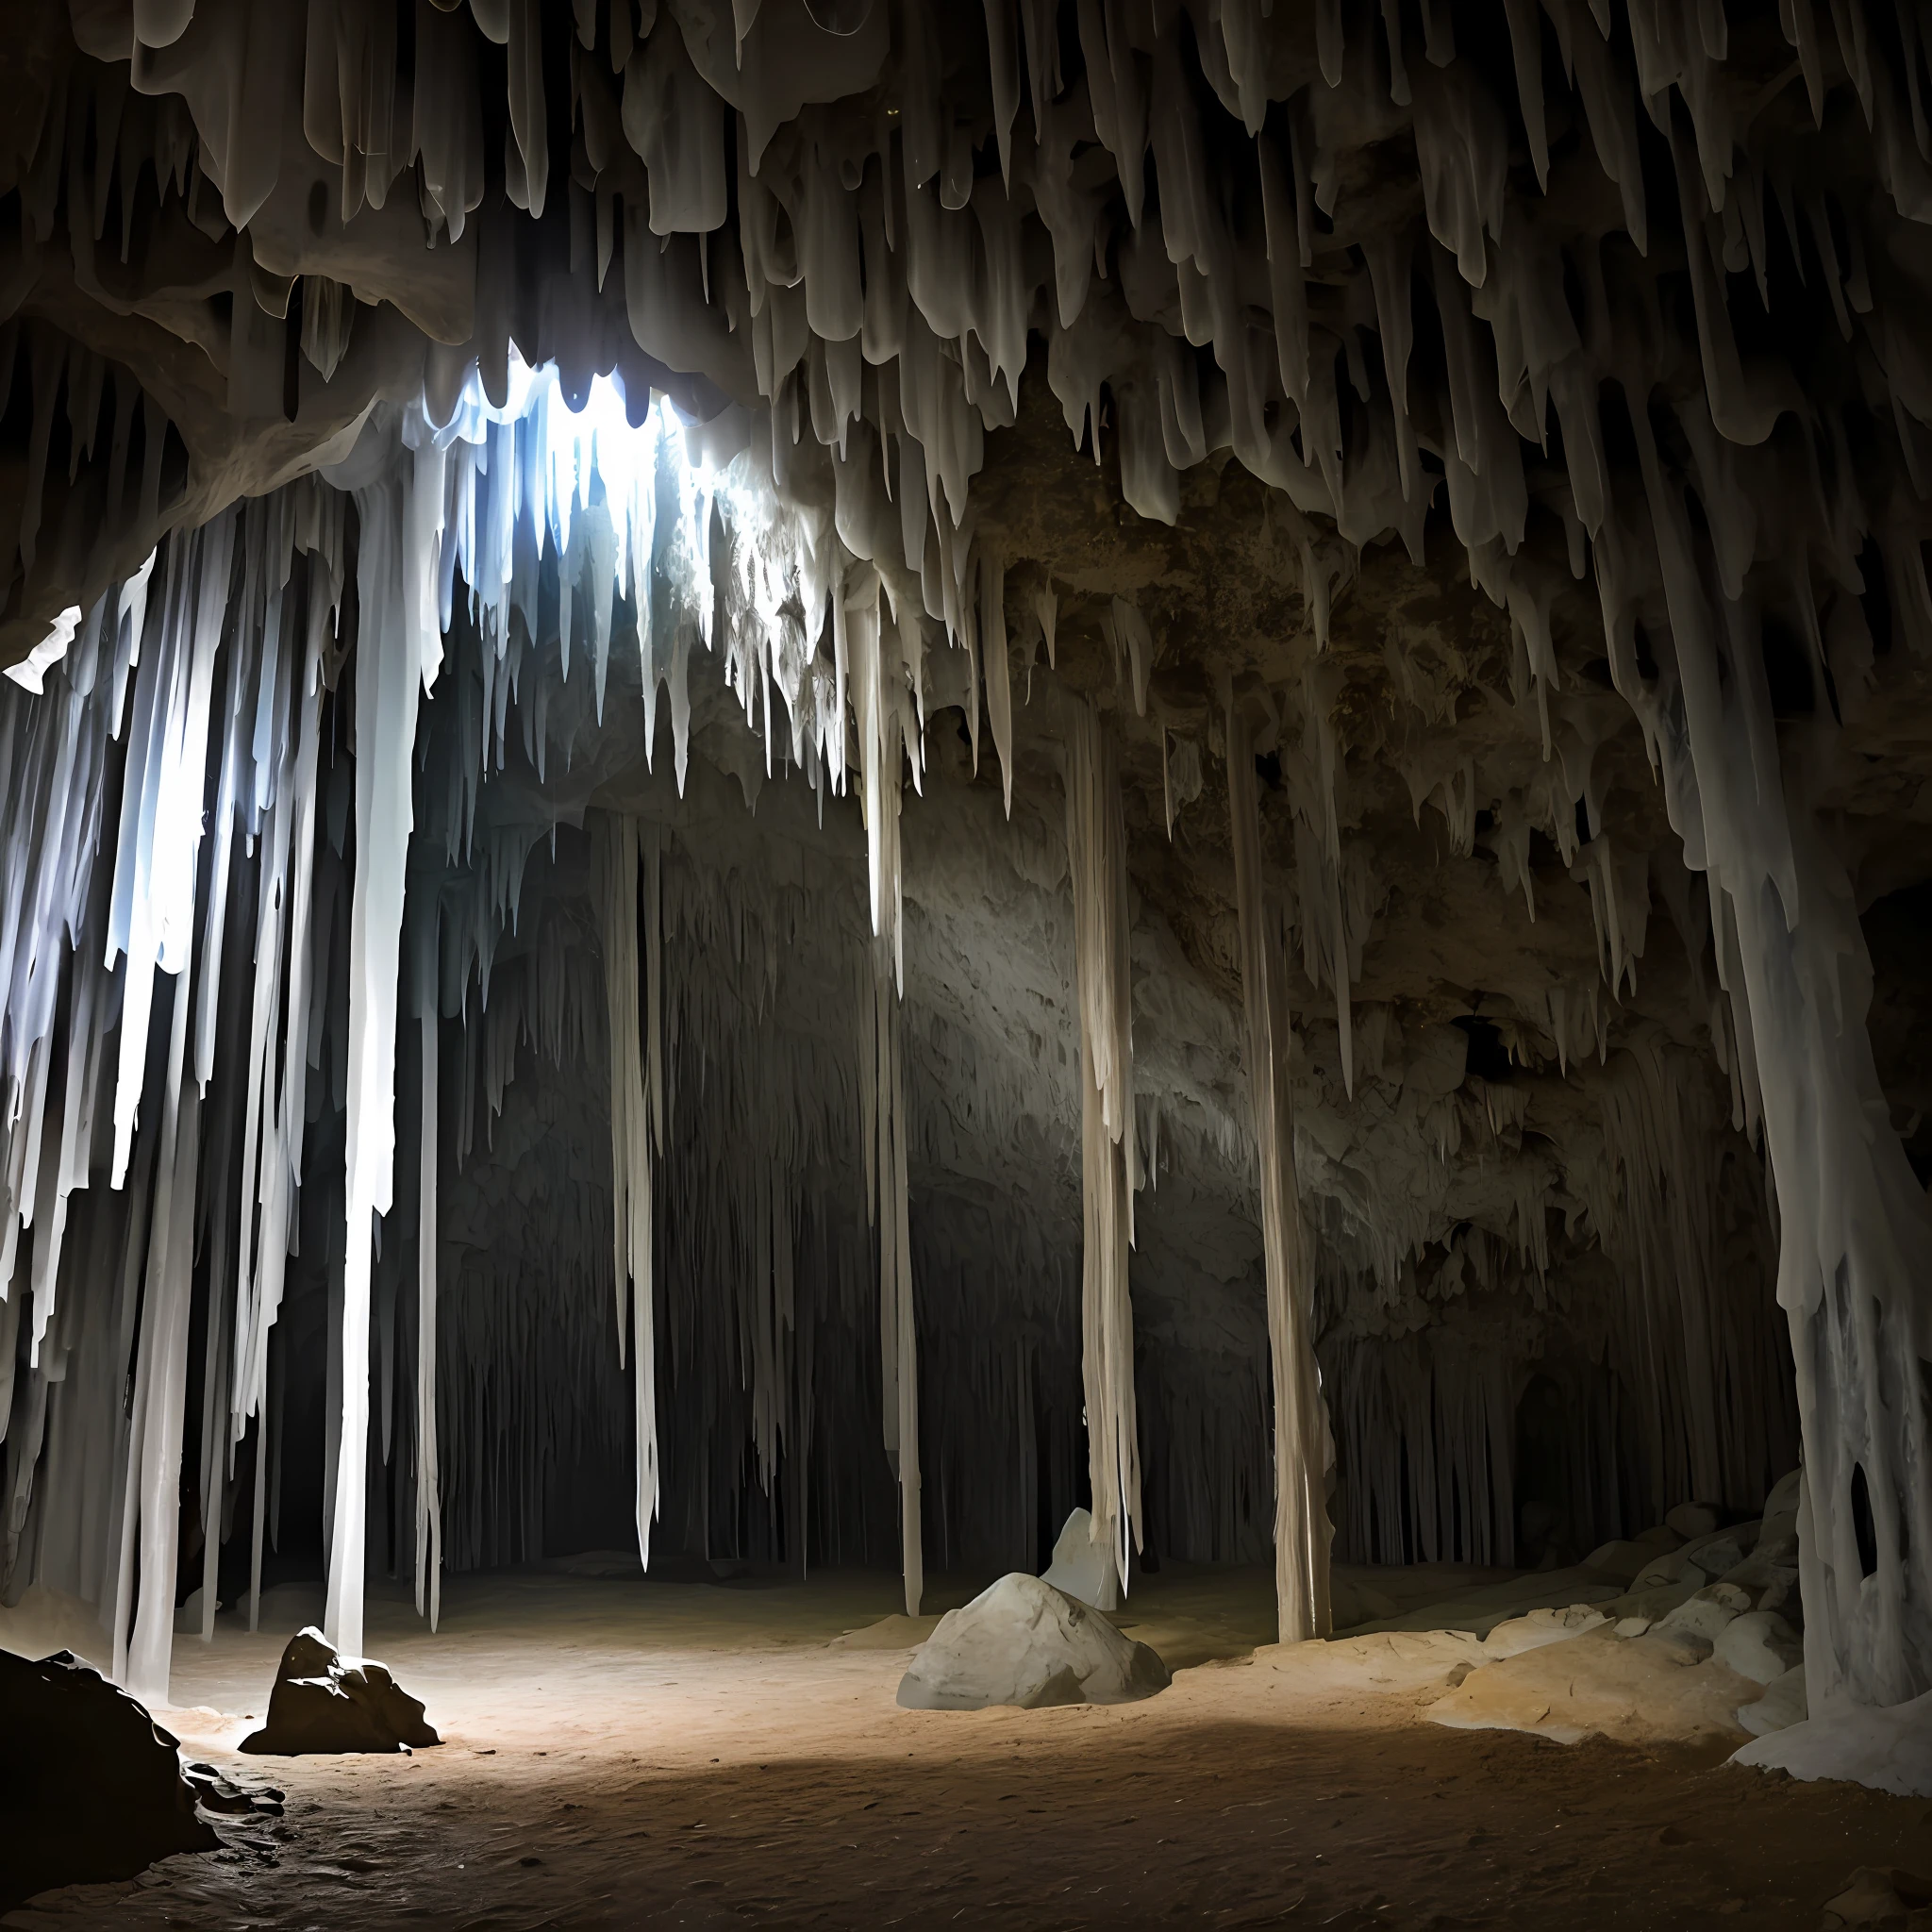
1109,1153
427,994
628,862
398,652
1303,1445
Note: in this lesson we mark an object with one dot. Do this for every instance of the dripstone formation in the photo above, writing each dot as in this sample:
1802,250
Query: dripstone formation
806,778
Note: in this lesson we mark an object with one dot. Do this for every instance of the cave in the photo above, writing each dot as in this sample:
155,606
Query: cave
798,1261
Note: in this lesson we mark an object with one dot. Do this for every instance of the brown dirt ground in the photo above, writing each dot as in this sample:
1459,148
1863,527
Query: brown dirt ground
642,1754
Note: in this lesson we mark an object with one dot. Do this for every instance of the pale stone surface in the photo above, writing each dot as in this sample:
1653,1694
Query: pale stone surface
1541,1627
1392,1660
1758,1644
1782,1704
325,1703
1635,1689
1023,1642
1888,1747
1080,1567
1696,1623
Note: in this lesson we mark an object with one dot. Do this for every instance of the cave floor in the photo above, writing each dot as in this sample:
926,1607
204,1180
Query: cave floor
627,1753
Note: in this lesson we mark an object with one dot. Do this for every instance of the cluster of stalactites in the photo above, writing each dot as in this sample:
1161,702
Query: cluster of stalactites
566,530
191,692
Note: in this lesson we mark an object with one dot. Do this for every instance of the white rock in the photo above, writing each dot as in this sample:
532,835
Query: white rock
1023,1642
1531,1632
1080,1567
1691,1520
1632,1626
1888,1748
1696,1623
1782,1704
1758,1644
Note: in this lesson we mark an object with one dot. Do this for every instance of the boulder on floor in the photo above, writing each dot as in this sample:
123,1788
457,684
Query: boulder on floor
91,1786
1023,1642
323,1702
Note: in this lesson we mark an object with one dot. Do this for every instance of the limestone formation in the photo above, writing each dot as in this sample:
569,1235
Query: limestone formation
1082,1567
1023,1642
801,780
1889,1749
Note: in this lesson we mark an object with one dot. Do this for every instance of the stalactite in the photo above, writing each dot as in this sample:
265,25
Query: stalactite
398,650
627,867
426,998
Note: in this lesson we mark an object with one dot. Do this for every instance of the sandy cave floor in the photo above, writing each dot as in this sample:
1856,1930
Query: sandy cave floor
624,1752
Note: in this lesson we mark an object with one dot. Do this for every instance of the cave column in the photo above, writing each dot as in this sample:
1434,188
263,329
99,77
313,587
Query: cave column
1855,1232
875,666
1096,854
1303,1446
